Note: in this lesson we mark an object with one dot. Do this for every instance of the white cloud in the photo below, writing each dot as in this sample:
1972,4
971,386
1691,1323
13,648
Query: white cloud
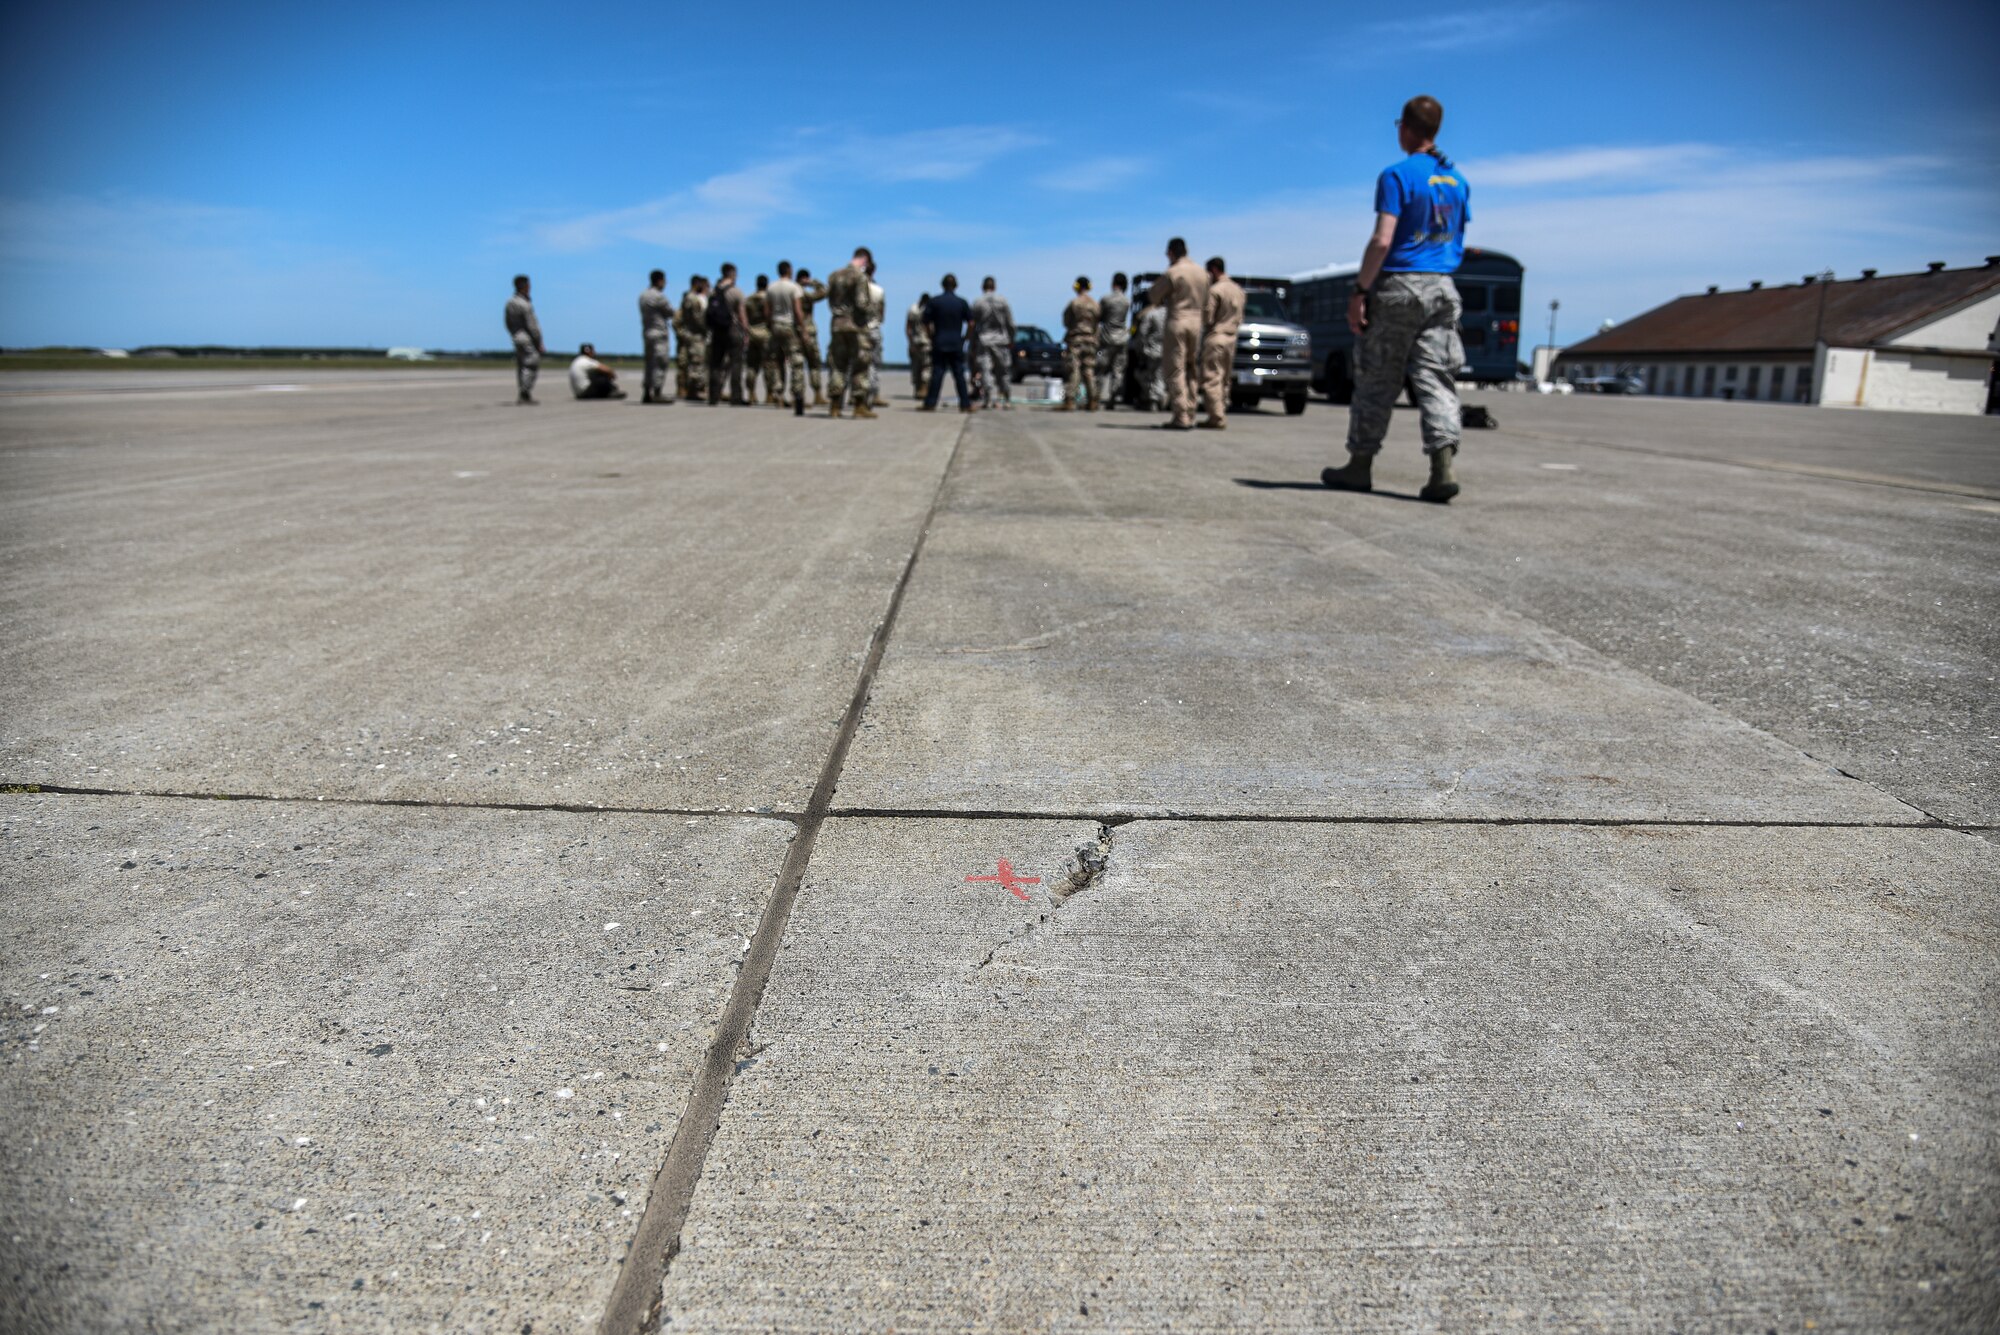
738,206
1106,173
1580,166
1456,30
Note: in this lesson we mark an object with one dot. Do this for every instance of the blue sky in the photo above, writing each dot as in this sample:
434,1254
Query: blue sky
372,174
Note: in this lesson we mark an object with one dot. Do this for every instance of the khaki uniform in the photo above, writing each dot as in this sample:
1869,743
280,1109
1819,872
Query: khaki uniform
811,292
691,358
1183,291
920,348
757,310
785,359
1114,333
1080,365
1412,334
1224,316
656,319
846,350
526,332
993,331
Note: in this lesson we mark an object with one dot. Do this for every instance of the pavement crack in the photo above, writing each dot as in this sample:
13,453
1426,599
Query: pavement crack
1086,867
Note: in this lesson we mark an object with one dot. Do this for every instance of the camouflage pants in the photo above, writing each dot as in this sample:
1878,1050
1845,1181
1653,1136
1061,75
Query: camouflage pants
786,360
725,366
920,365
691,365
996,370
847,359
1080,369
1110,371
809,335
874,339
527,362
756,361
656,364
1412,334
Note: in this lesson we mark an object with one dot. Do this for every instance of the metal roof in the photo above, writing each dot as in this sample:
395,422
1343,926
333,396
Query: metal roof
1860,313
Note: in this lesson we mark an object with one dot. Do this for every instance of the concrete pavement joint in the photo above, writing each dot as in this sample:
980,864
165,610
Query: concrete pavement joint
1772,466
1112,820
568,808
641,1288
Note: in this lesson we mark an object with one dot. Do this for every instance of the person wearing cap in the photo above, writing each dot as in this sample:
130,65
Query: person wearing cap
1405,308
1183,291
1221,319
1114,334
1080,333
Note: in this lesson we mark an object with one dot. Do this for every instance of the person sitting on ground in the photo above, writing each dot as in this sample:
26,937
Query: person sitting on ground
590,378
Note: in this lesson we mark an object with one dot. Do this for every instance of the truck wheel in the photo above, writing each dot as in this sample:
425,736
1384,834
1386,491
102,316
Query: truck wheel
1342,393
1295,404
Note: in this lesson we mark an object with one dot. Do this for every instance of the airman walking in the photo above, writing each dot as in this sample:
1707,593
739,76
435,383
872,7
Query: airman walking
1114,332
1222,317
1080,333
526,332
1183,291
656,318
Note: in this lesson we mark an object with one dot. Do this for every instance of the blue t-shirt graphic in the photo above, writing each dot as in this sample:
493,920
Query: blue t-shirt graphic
1432,204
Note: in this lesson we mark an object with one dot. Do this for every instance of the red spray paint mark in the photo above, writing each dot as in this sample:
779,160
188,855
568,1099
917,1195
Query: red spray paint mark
1009,879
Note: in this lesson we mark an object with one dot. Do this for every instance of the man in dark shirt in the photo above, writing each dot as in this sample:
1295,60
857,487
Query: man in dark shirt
947,317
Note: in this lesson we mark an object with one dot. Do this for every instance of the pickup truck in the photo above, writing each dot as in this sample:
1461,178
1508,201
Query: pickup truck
1273,352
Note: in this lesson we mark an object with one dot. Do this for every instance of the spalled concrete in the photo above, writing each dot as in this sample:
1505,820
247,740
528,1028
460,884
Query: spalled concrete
289,1066
1285,1078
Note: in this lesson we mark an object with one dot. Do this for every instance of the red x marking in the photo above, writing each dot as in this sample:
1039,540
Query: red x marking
1009,879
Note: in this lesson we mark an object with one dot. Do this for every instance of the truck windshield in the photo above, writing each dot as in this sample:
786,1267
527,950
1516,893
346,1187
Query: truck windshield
1263,306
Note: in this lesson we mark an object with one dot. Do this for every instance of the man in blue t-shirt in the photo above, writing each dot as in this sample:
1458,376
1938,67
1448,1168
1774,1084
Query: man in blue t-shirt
1405,308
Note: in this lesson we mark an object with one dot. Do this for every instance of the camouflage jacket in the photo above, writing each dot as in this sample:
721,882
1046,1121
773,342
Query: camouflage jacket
810,292
847,297
694,315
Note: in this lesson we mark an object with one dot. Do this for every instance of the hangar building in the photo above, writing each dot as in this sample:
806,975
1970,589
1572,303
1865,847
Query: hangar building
1922,342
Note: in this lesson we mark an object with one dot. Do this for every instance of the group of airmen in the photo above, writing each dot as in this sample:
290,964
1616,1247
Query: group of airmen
721,340
762,346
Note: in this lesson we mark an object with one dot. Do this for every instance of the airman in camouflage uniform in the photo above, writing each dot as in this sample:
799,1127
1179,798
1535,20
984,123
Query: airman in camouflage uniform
1152,352
993,324
525,332
878,307
920,345
847,349
1114,332
1080,359
810,292
757,310
691,361
785,362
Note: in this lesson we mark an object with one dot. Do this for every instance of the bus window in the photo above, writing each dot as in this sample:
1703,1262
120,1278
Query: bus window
1473,295
1507,299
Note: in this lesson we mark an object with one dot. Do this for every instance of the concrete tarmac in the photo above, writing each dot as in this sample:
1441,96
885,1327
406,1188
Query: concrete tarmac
1569,907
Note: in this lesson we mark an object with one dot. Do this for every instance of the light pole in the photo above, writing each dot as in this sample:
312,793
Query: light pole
1825,279
1554,306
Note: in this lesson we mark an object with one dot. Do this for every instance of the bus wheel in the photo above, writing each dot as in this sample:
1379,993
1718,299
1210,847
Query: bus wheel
1342,393
1295,404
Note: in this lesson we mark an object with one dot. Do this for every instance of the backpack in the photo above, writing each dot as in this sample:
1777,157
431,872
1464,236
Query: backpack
721,316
